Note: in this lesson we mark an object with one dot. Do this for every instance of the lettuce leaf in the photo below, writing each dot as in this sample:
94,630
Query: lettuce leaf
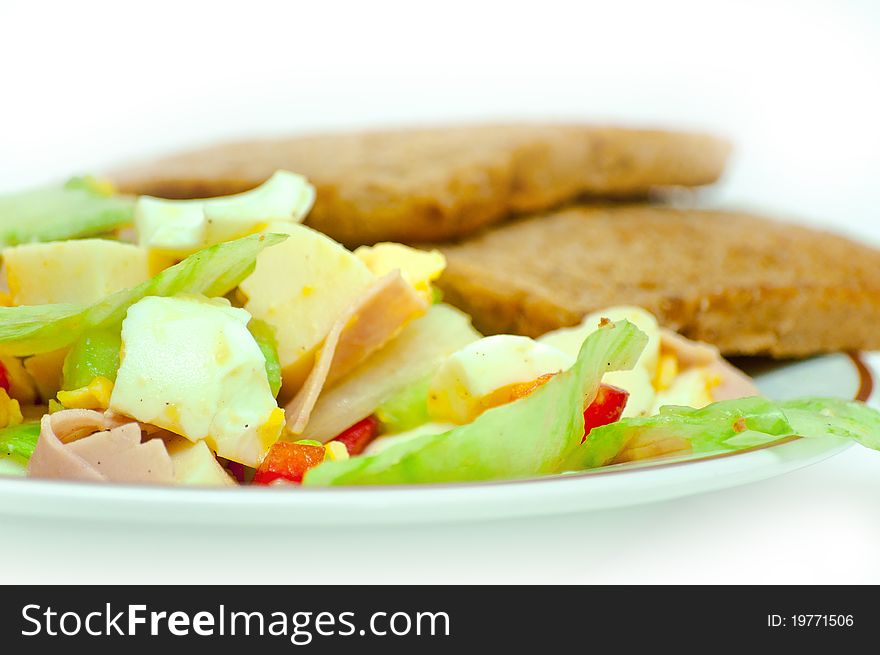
532,436
20,440
733,425
215,271
834,418
406,409
265,337
95,353
81,208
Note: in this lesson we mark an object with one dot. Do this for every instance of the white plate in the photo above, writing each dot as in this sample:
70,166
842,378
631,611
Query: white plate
833,375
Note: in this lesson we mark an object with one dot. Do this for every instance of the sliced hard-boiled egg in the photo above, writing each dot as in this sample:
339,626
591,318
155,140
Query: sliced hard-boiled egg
693,388
418,267
79,271
335,451
10,410
300,287
641,392
667,370
191,366
95,395
480,375
194,464
177,228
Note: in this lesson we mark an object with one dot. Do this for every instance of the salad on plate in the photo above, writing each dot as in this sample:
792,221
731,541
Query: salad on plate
221,342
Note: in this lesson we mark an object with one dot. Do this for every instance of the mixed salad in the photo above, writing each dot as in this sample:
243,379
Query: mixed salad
222,342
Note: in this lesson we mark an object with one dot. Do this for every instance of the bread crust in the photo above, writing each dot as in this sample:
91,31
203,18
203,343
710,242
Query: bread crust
417,185
749,285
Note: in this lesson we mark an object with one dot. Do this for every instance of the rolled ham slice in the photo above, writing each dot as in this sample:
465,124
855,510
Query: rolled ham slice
367,325
734,383
79,444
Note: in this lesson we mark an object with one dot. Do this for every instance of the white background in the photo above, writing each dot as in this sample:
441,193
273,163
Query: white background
794,84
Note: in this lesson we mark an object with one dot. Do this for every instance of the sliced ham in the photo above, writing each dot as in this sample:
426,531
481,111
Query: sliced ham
367,325
408,358
734,383
79,444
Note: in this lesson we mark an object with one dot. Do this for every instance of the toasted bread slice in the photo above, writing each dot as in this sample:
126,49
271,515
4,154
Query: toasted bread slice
434,184
749,285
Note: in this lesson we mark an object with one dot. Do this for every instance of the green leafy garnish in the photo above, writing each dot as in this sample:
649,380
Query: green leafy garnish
214,271
834,418
81,208
95,353
19,441
406,409
264,335
733,425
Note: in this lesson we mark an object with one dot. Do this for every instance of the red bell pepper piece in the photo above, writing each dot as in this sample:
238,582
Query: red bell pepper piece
607,407
358,436
237,471
4,378
288,461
